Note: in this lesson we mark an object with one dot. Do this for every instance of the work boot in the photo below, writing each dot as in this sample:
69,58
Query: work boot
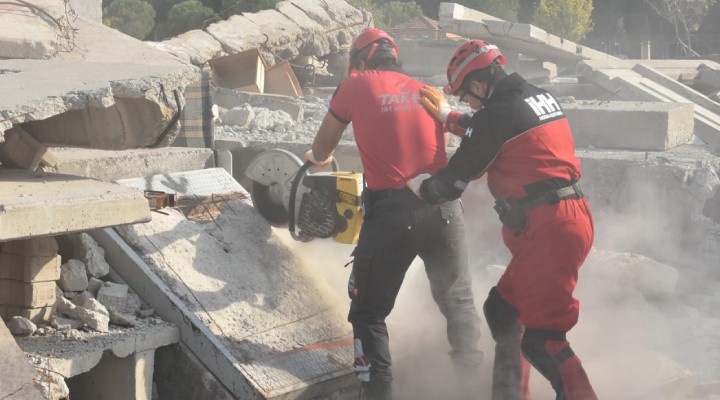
380,389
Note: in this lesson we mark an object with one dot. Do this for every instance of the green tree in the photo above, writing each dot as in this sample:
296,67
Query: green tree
396,12
185,16
503,9
132,17
568,19
162,7
685,16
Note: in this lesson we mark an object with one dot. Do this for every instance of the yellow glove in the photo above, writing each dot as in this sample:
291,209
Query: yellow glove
434,101
318,164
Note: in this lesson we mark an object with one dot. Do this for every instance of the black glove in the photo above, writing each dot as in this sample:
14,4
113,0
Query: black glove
442,187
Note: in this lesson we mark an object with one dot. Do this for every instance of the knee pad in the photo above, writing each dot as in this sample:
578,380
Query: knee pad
550,353
534,348
501,316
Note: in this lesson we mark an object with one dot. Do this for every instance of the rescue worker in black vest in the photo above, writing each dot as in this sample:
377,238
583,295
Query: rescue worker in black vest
520,138
397,139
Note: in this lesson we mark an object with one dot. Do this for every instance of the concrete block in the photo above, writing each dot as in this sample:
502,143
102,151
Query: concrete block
28,295
39,315
73,276
20,326
85,300
94,285
29,268
94,320
630,125
22,151
86,249
113,296
113,165
64,324
34,247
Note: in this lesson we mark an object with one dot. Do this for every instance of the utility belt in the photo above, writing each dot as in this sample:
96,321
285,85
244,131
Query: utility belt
513,212
405,198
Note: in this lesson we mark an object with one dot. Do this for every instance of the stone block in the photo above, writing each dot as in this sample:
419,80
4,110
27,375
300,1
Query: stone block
35,247
647,126
73,276
39,315
20,326
28,295
28,268
113,296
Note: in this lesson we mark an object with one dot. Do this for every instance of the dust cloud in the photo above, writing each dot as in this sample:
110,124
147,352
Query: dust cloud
646,329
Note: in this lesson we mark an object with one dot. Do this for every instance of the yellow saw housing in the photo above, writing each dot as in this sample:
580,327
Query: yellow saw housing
341,190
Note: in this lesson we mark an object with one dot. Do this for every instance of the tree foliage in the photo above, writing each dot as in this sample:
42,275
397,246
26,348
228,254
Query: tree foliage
396,12
185,16
231,7
685,16
569,19
132,17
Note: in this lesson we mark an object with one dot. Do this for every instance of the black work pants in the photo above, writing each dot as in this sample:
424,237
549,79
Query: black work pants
398,230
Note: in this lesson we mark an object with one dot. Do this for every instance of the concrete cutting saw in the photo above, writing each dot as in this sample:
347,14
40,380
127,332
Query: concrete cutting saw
320,204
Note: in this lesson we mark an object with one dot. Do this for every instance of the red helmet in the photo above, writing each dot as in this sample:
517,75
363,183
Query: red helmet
470,56
368,37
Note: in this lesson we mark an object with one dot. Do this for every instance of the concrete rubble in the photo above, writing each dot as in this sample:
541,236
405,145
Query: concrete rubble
203,299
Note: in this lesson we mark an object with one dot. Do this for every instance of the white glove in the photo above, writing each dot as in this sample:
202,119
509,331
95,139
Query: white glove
362,363
414,183
434,101
309,156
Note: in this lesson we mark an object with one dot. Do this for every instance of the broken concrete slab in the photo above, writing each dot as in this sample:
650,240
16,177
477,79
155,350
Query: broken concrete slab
630,125
269,365
109,80
280,33
103,105
23,34
17,374
631,80
194,47
514,37
36,204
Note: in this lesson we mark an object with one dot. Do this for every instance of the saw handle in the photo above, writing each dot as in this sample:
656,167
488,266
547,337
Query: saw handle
293,193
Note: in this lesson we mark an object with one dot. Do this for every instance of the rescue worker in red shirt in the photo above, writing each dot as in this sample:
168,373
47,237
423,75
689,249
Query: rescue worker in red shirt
520,138
397,139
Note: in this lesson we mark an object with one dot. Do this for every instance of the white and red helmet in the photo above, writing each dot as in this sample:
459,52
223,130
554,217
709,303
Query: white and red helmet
470,56
368,37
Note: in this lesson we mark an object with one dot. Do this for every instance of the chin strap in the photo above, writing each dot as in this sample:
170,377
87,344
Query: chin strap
490,86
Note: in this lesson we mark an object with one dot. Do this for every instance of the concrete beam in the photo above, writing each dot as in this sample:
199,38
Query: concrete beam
520,38
71,357
109,166
630,125
38,204
642,83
